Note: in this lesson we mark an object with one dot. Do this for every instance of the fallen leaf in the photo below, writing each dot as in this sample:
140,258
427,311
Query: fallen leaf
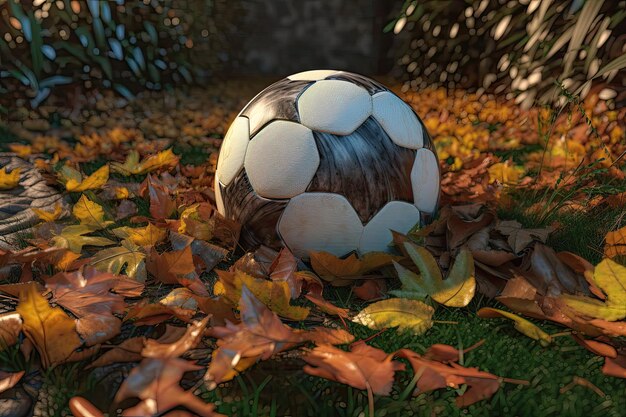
8,379
73,238
49,216
132,166
191,338
610,277
127,351
436,375
81,407
127,256
50,329
596,347
364,367
457,290
10,328
197,221
338,271
371,289
156,383
326,306
168,266
149,235
518,237
89,213
162,205
407,315
615,243
9,180
276,295
98,328
615,367
92,182
522,325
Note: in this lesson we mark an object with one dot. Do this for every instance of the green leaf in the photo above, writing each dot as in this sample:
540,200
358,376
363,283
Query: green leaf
128,256
405,314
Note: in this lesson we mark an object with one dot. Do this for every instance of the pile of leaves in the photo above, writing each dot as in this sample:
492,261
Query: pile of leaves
136,267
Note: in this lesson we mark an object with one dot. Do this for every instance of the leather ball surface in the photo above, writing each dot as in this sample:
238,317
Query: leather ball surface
326,160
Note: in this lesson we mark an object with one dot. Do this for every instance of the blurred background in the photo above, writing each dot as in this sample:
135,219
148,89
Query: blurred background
521,49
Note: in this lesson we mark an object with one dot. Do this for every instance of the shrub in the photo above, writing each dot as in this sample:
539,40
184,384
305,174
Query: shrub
124,45
525,46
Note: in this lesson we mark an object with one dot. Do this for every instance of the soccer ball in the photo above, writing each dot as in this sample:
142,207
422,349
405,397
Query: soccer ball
326,160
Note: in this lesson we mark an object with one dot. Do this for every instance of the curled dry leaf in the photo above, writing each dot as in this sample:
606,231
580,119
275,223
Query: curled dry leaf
596,347
8,380
405,314
10,328
455,291
615,366
189,340
522,325
81,407
260,335
326,306
436,375
364,367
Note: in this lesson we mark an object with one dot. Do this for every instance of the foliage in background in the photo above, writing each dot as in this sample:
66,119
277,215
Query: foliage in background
124,45
517,46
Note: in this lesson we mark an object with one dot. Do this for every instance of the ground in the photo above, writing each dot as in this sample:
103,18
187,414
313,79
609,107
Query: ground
545,167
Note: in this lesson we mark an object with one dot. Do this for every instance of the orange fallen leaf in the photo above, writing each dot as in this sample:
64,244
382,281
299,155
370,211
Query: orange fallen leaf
92,182
338,271
10,328
615,243
8,380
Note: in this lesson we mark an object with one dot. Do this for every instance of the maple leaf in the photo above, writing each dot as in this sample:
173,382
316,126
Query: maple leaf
407,315
50,329
518,237
73,238
127,256
364,367
196,221
168,266
191,338
142,236
260,335
161,204
9,180
455,291
522,325
127,351
610,277
615,243
49,216
210,254
435,375
156,382
132,166
275,295
92,182
89,213
10,328
340,272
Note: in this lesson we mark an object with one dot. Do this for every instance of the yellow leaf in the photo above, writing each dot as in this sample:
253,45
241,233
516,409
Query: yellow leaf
405,314
455,291
338,271
51,330
132,166
73,238
89,213
127,257
615,243
276,295
49,216
21,150
121,193
9,180
92,182
196,221
504,173
142,236
522,325
610,277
